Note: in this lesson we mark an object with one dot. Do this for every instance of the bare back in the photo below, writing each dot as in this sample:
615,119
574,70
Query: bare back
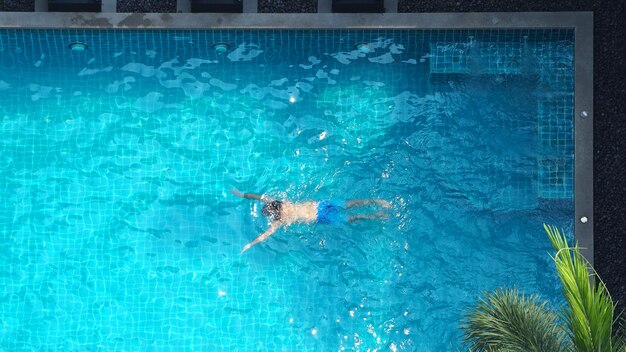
305,212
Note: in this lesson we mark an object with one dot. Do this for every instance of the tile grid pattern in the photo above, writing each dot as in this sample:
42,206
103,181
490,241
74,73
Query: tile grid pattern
551,60
555,113
168,293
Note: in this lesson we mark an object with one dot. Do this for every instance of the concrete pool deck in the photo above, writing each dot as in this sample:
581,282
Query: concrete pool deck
611,246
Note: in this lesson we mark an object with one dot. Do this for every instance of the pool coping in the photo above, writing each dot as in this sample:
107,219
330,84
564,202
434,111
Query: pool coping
581,22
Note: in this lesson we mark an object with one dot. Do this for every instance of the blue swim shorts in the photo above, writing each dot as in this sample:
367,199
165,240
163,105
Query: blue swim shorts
331,212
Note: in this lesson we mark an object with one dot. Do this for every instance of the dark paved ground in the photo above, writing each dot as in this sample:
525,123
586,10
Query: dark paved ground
162,6
17,5
609,102
609,121
283,6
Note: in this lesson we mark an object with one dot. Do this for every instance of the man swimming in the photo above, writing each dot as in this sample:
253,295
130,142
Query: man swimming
285,213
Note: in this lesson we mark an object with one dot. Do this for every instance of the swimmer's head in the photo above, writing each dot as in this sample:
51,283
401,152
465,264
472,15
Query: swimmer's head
272,209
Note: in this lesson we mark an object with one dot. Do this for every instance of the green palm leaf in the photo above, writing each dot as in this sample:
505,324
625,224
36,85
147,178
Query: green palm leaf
589,313
507,321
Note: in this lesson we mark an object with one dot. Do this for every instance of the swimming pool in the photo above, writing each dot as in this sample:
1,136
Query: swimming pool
119,231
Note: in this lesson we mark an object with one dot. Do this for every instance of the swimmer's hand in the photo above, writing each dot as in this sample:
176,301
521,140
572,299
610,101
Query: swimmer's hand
262,198
236,193
265,235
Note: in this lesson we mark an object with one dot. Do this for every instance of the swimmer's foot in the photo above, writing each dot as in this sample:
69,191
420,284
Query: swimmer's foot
383,203
351,203
379,215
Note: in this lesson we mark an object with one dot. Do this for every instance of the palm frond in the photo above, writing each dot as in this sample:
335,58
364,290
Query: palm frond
590,310
507,321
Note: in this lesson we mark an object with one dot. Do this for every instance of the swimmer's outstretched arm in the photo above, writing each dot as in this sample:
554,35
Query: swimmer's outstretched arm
265,235
262,198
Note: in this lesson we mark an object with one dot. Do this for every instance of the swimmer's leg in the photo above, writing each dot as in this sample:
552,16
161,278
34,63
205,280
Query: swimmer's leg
357,217
352,203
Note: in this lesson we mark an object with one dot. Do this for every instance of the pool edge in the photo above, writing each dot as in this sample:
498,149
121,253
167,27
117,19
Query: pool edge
583,133
487,20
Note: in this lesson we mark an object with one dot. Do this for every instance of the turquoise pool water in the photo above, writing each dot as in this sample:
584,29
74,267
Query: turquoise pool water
119,233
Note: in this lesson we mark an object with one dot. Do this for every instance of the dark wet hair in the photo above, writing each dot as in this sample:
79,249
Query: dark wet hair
272,209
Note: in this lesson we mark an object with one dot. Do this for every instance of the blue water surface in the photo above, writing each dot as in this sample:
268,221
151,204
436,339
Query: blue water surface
119,232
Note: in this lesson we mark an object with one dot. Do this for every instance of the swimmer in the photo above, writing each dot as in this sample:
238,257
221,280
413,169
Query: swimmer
285,213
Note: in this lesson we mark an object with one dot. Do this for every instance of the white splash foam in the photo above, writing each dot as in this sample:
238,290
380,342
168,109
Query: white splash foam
321,74
93,71
195,89
195,62
114,87
177,82
245,52
40,91
141,69
305,87
383,59
254,91
222,85
347,57
274,104
278,82
396,48
313,60
150,103
374,84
